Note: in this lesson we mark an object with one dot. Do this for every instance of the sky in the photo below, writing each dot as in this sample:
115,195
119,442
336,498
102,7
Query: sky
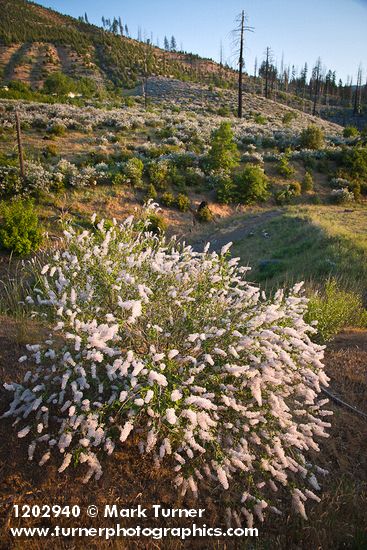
335,30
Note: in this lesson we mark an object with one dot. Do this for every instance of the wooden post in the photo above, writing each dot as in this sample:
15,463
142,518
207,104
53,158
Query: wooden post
20,145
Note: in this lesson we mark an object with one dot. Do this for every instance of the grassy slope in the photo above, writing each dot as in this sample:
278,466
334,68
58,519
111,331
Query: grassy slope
308,243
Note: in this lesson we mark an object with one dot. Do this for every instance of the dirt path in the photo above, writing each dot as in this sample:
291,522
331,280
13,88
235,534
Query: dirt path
231,231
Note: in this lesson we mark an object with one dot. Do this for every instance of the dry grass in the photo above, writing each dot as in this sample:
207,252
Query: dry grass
339,521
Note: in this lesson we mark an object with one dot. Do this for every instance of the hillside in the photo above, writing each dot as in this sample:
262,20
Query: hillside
36,41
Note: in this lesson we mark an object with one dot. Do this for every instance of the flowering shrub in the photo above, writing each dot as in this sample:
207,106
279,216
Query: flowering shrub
10,182
340,183
37,178
341,196
176,348
87,177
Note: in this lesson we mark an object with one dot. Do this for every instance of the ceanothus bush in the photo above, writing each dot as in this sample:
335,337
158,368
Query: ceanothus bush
176,348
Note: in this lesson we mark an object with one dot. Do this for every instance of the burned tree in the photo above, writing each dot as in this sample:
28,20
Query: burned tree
316,74
238,43
268,72
358,92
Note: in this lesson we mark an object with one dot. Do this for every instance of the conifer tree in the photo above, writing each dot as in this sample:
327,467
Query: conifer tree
173,44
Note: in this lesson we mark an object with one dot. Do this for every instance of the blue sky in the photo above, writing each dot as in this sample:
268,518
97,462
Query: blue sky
336,30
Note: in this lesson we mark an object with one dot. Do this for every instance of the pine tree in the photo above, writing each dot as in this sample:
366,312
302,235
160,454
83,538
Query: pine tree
173,44
223,153
166,43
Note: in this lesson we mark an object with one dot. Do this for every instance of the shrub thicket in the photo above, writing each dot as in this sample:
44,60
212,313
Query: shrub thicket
20,231
312,137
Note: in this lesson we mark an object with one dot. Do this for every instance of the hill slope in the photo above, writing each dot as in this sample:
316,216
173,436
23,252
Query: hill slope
35,41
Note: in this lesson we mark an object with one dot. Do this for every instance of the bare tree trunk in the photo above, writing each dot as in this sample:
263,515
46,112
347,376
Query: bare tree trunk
20,145
240,74
357,94
317,86
267,73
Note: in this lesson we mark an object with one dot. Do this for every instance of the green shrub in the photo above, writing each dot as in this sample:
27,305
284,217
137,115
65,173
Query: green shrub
151,192
295,188
312,137
58,83
288,117
158,174
205,214
223,154
20,231
118,179
350,131
284,168
50,150
176,178
183,202
224,111
251,185
168,199
57,130
354,160
283,196
224,187
156,223
194,177
335,309
133,170
307,183
260,119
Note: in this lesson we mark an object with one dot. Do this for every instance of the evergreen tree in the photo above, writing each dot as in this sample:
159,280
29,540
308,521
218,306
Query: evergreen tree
166,43
173,44
223,154
115,26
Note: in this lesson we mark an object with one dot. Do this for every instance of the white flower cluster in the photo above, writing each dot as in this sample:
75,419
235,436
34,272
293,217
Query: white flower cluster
175,348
